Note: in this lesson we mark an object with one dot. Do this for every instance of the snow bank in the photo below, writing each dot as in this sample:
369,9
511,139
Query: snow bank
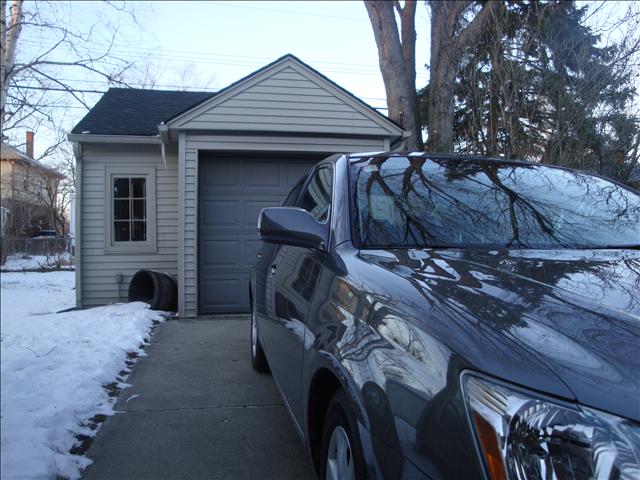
20,262
53,369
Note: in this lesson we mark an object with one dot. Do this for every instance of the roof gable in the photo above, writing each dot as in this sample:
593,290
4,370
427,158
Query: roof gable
286,95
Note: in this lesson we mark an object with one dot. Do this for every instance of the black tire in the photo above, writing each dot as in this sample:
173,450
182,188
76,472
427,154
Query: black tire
339,415
258,358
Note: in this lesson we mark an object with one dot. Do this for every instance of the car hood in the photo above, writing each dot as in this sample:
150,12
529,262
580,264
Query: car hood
577,311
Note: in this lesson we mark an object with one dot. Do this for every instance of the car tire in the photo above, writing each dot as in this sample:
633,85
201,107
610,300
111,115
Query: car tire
339,460
258,358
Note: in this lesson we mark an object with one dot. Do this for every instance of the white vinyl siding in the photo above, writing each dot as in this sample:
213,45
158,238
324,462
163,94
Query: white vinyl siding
100,269
287,98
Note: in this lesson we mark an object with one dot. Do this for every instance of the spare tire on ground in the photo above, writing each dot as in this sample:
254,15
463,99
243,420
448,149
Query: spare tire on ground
157,289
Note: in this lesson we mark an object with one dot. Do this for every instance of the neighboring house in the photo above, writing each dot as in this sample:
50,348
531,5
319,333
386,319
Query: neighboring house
174,181
28,191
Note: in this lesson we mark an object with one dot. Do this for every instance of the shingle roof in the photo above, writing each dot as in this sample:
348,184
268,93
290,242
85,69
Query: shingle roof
133,111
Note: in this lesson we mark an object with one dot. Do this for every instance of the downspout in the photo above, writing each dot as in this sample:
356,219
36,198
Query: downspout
163,130
77,153
182,140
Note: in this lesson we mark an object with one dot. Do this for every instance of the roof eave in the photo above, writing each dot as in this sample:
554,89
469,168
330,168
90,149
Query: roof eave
91,138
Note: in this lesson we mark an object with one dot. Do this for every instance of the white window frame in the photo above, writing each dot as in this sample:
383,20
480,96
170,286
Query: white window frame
149,245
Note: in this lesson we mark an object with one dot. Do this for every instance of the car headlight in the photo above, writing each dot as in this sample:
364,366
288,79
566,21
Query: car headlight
522,435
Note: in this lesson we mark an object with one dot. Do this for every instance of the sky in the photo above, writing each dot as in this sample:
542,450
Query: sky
203,45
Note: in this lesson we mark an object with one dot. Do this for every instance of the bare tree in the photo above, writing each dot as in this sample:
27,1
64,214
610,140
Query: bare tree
37,81
397,59
451,32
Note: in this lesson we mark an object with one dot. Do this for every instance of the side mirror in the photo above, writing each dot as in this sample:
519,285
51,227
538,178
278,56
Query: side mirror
291,226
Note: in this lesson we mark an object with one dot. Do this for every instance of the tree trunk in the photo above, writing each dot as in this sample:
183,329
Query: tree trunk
447,43
443,68
397,74
408,36
10,35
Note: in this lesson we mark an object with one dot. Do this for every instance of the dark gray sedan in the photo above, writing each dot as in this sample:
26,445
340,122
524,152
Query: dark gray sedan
454,317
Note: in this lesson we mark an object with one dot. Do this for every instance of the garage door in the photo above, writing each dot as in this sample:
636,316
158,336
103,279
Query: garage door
232,191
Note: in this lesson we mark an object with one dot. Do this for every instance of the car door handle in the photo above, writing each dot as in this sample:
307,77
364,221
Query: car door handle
259,255
274,267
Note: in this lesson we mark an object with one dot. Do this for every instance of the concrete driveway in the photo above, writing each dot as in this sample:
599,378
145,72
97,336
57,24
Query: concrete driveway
197,410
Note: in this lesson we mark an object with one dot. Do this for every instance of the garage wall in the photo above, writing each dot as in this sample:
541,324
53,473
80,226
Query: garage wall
190,144
99,269
287,96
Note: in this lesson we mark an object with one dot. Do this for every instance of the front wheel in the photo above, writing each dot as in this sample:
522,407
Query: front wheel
258,359
342,457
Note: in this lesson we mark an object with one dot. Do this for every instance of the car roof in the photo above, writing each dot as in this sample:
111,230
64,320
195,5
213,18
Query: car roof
357,157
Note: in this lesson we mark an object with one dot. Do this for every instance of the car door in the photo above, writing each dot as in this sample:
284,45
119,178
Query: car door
263,264
291,282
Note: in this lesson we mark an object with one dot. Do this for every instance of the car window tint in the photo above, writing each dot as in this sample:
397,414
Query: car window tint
316,198
292,196
421,202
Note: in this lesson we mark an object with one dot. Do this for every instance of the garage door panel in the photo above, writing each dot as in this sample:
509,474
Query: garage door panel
221,174
229,294
231,193
259,174
221,214
218,253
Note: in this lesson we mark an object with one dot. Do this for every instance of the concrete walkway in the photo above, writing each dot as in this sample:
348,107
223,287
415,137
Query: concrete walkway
198,411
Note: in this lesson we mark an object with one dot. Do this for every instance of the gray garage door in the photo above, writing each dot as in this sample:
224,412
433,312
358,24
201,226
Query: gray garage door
232,191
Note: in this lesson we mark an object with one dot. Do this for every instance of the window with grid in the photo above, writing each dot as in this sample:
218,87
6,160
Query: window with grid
129,209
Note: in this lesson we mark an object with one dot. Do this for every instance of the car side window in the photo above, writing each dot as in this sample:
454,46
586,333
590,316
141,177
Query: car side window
316,197
292,196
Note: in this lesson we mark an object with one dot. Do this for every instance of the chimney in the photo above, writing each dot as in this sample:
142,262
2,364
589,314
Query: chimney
30,144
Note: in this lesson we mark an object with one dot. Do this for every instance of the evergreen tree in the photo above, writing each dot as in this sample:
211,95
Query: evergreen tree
537,85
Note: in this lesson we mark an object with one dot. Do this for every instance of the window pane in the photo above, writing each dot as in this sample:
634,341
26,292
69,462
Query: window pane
139,212
317,196
290,201
420,202
139,188
121,231
121,210
139,232
120,187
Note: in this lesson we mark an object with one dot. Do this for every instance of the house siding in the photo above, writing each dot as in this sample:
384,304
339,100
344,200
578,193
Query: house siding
99,269
284,107
288,99
188,222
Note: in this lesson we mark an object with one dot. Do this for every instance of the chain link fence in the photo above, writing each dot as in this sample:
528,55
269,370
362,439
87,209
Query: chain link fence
36,246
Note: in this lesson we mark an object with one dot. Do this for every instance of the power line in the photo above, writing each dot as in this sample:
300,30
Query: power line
75,90
237,60
139,84
291,12
58,89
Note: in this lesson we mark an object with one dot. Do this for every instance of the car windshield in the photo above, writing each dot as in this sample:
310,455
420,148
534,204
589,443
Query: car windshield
422,202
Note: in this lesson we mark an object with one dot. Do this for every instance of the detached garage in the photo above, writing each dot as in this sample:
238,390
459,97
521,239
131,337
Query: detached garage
174,181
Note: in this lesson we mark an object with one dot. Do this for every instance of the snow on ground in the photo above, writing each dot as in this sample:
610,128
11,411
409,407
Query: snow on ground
53,368
20,262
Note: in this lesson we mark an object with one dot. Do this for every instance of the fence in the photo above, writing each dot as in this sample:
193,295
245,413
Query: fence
37,246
